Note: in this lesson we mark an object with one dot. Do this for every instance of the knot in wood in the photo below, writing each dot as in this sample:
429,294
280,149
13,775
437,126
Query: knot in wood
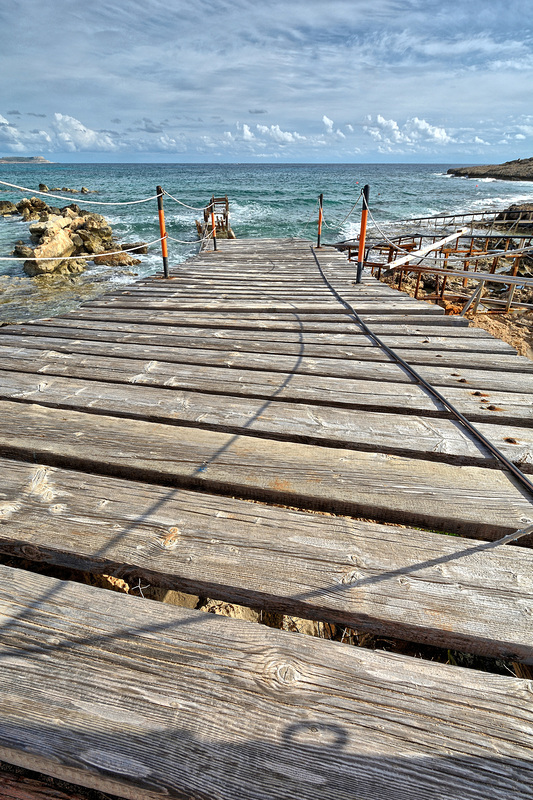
351,577
282,675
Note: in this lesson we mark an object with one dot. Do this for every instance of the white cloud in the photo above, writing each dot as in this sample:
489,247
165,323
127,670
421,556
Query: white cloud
279,136
415,132
247,134
73,136
328,123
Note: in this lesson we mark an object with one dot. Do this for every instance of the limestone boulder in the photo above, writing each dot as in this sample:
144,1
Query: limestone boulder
56,246
116,260
136,247
91,242
22,250
7,208
95,223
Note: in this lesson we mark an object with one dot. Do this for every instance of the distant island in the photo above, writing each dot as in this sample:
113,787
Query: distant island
24,160
519,170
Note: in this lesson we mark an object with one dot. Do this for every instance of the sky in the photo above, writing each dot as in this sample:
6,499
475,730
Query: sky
289,81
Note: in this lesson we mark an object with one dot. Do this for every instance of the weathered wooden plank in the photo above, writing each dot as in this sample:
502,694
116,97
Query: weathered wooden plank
498,407
287,357
476,380
176,334
406,435
405,583
257,293
14,786
168,702
472,501
296,307
263,326
274,321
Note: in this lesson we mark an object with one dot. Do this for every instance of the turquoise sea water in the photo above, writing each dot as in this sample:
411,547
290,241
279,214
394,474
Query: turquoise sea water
267,200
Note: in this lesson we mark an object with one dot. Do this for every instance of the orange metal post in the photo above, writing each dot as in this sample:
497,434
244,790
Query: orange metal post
164,249
320,217
362,234
214,227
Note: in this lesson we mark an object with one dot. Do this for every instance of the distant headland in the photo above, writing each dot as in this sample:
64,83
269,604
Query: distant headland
24,160
519,170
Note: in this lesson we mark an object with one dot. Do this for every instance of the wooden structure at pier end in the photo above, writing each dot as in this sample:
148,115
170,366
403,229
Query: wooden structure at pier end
232,433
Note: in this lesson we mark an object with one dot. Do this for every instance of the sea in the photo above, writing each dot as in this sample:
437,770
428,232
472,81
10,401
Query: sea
266,200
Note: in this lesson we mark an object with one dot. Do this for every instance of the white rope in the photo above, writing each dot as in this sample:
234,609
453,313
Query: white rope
191,241
397,246
81,257
350,212
193,208
85,200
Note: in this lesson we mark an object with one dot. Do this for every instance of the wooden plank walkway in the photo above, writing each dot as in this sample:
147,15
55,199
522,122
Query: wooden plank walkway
231,433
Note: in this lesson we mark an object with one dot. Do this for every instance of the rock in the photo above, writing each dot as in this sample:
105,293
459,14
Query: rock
55,245
141,248
230,610
97,224
522,211
22,250
31,208
61,233
38,204
84,190
43,187
73,210
116,260
91,242
7,208
519,170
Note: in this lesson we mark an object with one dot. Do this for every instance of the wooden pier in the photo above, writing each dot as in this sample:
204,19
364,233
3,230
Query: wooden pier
231,433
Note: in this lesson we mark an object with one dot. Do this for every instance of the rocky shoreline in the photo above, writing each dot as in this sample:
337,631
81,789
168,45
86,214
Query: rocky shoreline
65,239
24,160
521,169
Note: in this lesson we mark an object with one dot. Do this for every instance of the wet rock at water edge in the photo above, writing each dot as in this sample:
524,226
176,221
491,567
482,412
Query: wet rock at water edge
7,208
141,248
116,260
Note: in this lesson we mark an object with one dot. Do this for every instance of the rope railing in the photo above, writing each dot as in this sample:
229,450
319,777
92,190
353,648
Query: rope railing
181,203
84,257
337,225
163,238
69,199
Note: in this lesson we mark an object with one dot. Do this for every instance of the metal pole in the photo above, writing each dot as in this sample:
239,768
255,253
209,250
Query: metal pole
320,217
362,234
164,249
213,224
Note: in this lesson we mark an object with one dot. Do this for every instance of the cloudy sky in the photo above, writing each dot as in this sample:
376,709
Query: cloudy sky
447,81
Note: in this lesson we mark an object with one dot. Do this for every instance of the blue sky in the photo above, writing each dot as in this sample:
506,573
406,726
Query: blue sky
267,80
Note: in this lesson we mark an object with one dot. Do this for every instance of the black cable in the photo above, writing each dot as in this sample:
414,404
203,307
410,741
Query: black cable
417,378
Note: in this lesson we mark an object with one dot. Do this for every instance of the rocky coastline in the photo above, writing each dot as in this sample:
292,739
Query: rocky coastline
24,160
64,239
521,169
